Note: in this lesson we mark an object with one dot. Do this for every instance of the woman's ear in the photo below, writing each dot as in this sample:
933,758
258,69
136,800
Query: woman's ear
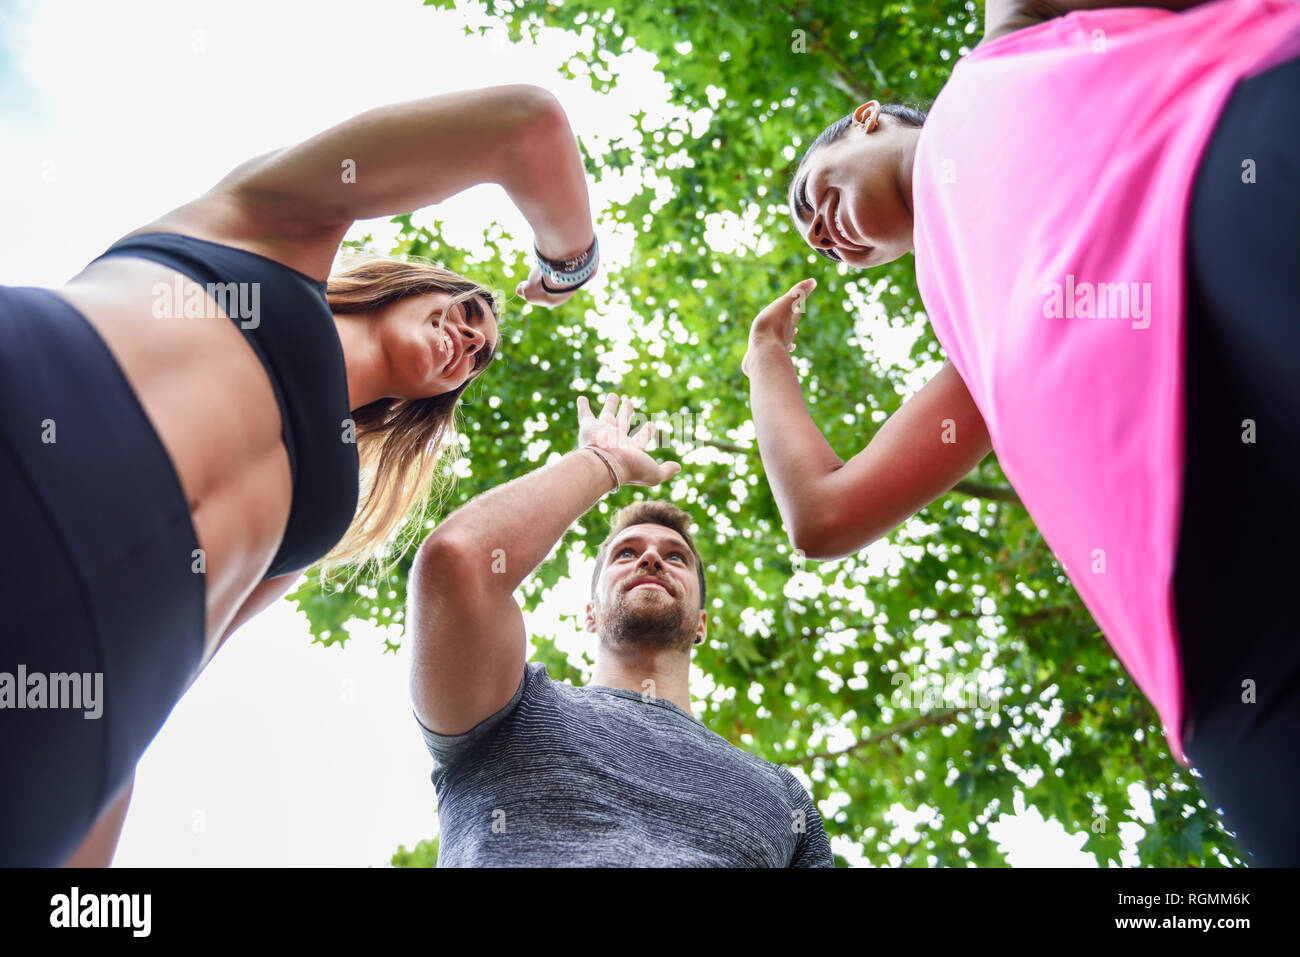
867,115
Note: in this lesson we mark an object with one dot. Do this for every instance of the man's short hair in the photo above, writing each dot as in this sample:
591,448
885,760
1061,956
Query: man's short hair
651,513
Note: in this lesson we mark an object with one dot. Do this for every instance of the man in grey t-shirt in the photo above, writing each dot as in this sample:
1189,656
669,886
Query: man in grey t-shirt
530,771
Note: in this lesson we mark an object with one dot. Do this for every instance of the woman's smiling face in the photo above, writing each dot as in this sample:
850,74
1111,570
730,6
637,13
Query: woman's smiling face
848,198
433,346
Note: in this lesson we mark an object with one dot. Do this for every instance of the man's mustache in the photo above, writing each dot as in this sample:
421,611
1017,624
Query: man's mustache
643,579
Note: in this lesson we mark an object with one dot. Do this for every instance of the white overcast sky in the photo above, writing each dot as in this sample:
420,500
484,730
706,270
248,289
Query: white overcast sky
283,753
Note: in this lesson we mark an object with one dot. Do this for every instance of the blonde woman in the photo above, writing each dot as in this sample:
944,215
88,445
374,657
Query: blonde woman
187,419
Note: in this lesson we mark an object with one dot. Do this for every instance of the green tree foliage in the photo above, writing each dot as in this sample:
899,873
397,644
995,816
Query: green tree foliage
424,854
865,674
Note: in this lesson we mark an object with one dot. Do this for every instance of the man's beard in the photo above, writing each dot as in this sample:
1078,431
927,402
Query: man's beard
632,622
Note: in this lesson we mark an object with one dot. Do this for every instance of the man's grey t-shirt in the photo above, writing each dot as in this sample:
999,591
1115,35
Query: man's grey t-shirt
565,776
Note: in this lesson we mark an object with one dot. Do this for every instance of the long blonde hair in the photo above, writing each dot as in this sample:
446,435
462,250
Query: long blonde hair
399,442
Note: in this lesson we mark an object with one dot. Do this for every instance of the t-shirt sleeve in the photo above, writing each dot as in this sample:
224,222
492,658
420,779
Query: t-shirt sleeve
447,749
814,847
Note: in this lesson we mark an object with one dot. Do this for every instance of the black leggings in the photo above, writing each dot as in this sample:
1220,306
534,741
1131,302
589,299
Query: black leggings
101,611
1234,582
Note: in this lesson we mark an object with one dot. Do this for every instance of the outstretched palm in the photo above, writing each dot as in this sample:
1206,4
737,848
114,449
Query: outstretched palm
627,453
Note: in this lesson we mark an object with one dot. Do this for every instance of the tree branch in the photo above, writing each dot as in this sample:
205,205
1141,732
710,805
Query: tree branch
947,716
841,77
722,446
850,89
937,719
997,493
1022,621
1046,614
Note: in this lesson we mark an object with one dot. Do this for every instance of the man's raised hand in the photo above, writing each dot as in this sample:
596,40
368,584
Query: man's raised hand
609,433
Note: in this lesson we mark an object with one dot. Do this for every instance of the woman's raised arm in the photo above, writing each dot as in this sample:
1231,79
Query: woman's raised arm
398,158
832,508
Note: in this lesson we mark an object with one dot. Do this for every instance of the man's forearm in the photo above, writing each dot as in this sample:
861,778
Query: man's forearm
506,533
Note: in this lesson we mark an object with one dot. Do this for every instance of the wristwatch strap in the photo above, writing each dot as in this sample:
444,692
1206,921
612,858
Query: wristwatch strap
566,274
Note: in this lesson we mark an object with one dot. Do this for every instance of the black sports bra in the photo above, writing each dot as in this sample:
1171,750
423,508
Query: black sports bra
287,321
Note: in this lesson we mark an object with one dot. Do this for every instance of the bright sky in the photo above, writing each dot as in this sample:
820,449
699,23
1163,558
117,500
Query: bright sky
283,753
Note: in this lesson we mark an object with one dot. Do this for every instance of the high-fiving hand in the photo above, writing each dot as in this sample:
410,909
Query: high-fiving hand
775,326
609,433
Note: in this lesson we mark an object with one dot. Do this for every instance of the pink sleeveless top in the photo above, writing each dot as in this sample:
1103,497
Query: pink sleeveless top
1050,194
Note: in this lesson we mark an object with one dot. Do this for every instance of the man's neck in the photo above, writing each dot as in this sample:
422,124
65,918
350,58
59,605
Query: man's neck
658,673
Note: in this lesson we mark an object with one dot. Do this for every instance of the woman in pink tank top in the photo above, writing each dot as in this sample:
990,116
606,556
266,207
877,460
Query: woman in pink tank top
1102,207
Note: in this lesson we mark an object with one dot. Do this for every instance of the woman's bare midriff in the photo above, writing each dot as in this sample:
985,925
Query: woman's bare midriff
210,401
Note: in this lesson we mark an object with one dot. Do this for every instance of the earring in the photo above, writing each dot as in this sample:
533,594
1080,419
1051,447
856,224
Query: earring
699,639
